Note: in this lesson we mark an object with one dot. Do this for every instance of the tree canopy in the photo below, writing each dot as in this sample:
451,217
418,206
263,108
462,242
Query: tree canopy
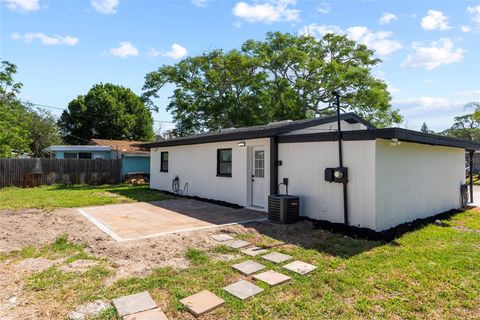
22,128
283,77
466,127
107,111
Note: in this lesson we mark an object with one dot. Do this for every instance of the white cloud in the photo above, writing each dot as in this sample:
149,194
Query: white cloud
435,20
380,41
23,5
200,3
433,56
54,40
387,17
466,28
324,8
105,6
474,13
176,52
268,11
125,49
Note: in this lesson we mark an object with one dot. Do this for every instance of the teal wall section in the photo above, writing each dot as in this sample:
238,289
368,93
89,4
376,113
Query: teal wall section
135,164
106,155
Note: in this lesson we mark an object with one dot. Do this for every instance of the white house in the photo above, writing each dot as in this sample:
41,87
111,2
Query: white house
394,175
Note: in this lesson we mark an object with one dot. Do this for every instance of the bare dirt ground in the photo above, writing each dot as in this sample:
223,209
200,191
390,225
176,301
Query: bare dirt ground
19,229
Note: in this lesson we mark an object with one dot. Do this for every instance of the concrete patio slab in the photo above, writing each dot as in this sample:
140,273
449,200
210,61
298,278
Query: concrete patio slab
140,220
248,267
237,244
300,267
243,289
254,251
154,314
202,302
222,237
134,303
277,257
272,278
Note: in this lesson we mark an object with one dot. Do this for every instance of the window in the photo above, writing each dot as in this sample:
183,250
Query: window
84,155
259,165
70,155
164,162
224,162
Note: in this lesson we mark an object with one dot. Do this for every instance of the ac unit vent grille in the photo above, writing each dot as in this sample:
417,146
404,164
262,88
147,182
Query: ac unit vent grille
283,208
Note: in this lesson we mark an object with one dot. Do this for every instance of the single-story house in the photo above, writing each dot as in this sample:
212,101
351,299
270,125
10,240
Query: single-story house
135,159
394,175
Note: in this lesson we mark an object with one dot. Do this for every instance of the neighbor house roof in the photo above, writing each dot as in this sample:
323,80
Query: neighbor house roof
122,146
263,131
79,148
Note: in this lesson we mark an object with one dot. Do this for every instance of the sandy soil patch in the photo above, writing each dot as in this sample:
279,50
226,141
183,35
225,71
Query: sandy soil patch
19,229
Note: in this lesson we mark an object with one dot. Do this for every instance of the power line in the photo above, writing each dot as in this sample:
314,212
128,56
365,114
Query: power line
57,108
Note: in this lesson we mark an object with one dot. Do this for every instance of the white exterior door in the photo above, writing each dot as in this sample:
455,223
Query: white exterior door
258,176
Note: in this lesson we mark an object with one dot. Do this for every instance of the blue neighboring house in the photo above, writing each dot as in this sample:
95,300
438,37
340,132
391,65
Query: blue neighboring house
135,160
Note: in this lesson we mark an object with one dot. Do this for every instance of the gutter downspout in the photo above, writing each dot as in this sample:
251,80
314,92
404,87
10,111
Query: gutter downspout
274,165
471,174
340,158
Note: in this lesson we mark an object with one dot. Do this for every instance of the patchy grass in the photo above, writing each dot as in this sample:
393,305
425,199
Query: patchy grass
469,219
61,196
431,273
196,256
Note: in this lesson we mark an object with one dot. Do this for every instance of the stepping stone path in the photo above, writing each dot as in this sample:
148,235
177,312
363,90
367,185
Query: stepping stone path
248,267
254,251
202,302
277,257
237,244
154,314
222,237
272,278
243,289
134,303
300,267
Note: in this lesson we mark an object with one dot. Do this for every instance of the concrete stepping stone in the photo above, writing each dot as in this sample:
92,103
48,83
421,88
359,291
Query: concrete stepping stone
277,257
222,237
243,289
154,314
300,267
237,244
272,278
248,267
254,251
134,303
202,302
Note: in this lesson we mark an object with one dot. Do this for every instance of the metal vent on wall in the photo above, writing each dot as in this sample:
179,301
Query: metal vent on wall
283,208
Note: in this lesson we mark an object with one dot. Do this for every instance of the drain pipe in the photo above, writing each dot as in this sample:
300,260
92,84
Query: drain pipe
340,158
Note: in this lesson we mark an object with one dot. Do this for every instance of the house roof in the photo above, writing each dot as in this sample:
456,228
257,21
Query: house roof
122,146
385,133
79,148
263,131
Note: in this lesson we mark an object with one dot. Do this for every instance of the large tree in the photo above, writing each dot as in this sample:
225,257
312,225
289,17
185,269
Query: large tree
14,134
43,131
107,111
283,77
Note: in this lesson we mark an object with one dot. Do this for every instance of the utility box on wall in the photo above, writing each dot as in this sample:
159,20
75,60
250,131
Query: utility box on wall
338,175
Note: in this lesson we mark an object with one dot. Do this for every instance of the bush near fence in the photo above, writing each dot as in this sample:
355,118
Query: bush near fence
36,172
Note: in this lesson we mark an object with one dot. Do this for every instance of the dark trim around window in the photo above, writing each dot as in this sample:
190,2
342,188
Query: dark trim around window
164,161
224,167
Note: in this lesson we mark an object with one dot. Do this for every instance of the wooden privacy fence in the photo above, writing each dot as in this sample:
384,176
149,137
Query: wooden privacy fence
36,172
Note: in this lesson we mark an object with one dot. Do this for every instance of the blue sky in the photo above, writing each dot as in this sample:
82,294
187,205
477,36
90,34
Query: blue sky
430,49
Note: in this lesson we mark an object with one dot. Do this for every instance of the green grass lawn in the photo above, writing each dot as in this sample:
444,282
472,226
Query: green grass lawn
63,196
431,273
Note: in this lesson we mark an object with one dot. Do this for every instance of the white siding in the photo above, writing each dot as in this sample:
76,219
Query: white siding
304,164
197,166
331,126
416,181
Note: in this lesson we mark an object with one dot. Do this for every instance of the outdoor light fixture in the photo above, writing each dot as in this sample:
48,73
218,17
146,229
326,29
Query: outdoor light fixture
241,144
394,142
338,174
